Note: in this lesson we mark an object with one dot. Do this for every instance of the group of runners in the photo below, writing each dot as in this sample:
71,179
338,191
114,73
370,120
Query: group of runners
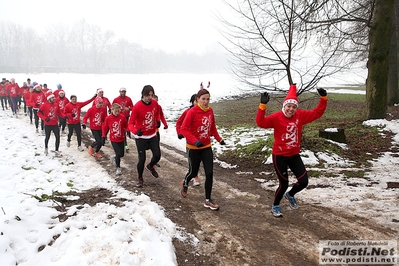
122,119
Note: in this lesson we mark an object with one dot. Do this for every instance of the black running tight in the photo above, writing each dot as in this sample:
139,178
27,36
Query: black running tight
78,131
142,145
119,148
295,163
195,157
47,131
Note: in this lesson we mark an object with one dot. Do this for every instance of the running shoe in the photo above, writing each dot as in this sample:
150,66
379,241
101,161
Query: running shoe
152,171
90,150
80,148
140,183
196,181
68,143
291,200
183,189
276,211
46,151
118,171
97,155
211,205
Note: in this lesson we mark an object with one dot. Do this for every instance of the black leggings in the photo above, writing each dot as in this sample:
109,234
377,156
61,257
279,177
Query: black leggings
119,148
56,130
195,157
37,119
61,122
295,163
3,100
78,131
142,145
30,111
97,136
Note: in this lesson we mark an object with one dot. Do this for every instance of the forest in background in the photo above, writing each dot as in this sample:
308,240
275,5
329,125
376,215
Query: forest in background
86,48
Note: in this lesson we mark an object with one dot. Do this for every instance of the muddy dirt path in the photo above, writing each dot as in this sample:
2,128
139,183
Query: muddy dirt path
243,231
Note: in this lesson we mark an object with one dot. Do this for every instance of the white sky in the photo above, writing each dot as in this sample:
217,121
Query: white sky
130,233
172,25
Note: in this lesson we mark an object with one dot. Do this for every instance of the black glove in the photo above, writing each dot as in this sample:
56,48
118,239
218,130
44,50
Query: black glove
128,134
222,142
139,132
109,111
199,144
66,117
84,126
158,124
37,105
47,119
264,98
73,115
180,136
322,92
103,141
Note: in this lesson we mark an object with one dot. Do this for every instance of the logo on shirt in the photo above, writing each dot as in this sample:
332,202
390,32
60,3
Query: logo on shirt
204,129
116,129
291,135
97,119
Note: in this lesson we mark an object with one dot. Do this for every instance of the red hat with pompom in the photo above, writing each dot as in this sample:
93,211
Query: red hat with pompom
291,96
98,100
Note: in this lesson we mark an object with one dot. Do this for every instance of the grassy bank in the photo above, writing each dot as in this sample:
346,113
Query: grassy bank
344,111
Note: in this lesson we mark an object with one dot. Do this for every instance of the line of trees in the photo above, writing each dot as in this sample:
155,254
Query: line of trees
86,48
304,42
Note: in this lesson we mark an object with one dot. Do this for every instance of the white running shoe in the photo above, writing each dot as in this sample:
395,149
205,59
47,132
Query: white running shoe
118,171
46,151
80,148
68,143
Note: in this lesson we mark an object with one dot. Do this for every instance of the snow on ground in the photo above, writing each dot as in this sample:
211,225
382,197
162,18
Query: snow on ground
128,234
104,234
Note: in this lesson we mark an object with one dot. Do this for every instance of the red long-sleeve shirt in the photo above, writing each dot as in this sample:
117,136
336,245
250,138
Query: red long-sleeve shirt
62,102
124,102
144,116
73,111
37,98
13,90
179,121
96,117
199,124
116,125
50,110
288,131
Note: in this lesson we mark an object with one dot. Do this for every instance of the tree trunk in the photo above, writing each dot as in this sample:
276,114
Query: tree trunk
377,64
393,77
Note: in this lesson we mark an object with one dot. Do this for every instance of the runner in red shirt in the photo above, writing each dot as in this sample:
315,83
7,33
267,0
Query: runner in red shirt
37,98
198,127
116,124
143,124
96,114
288,124
72,111
126,107
62,101
49,112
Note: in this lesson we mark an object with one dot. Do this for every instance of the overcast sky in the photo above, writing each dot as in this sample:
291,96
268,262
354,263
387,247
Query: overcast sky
170,25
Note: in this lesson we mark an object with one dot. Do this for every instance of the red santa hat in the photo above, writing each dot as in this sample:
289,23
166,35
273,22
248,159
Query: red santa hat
291,96
99,90
49,95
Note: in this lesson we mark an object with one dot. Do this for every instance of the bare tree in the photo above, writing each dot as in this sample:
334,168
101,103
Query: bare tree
273,45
